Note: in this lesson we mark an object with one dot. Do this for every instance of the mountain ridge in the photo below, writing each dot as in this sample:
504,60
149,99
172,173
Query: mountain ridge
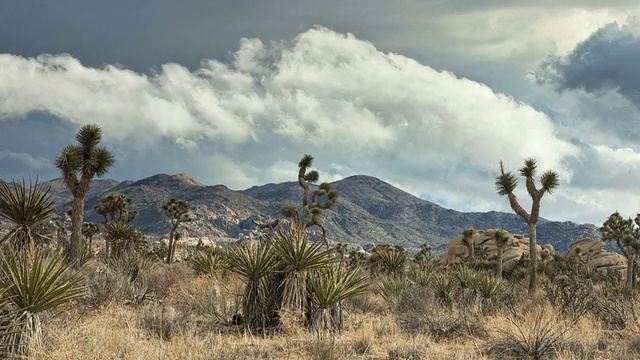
369,211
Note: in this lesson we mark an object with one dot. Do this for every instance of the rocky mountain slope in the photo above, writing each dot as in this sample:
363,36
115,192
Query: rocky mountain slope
369,210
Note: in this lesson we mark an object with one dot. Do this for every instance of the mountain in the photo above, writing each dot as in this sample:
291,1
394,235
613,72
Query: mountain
369,210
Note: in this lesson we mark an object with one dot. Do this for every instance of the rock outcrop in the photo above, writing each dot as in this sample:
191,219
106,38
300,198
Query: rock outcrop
594,254
486,246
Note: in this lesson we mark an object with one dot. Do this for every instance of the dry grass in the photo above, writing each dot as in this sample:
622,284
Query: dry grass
189,317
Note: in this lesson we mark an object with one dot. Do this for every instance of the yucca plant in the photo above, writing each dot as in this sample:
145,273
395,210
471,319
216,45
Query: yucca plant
254,264
391,287
392,260
467,277
27,207
130,264
422,274
122,237
299,257
36,281
443,288
206,262
327,289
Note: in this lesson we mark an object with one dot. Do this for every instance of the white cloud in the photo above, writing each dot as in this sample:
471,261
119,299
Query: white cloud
357,109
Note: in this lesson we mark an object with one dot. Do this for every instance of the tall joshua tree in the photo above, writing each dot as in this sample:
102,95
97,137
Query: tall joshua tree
312,204
79,164
506,183
178,212
468,241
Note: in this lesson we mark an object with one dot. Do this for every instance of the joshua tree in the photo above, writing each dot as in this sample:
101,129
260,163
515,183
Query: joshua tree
506,184
27,207
312,207
178,212
424,254
623,232
502,238
89,229
113,208
468,241
79,164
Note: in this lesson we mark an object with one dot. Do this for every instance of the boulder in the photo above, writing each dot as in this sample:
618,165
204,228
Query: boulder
594,253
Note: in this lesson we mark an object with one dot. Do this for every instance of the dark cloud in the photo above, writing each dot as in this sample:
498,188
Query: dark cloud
606,61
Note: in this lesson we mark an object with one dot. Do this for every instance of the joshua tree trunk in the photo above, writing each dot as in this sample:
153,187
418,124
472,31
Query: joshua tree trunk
77,216
172,245
499,249
533,258
472,250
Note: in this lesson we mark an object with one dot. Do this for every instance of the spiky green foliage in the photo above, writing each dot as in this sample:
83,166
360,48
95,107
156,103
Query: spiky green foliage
37,281
34,281
549,181
130,264
254,264
27,207
299,257
206,262
422,274
79,164
506,184
122,237
391,287
391,260
327,289
178,212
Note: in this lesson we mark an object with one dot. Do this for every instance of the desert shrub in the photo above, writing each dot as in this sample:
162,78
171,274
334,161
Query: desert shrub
537,335
164,279
571,294
106,286
519,274
158,320
202,296
415,300
615,304
439,323
365,303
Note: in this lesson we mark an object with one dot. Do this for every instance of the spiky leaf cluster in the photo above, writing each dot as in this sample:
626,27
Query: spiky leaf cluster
27,207
85,159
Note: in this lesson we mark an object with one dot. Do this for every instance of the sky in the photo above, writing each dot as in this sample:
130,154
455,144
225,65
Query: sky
427,95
